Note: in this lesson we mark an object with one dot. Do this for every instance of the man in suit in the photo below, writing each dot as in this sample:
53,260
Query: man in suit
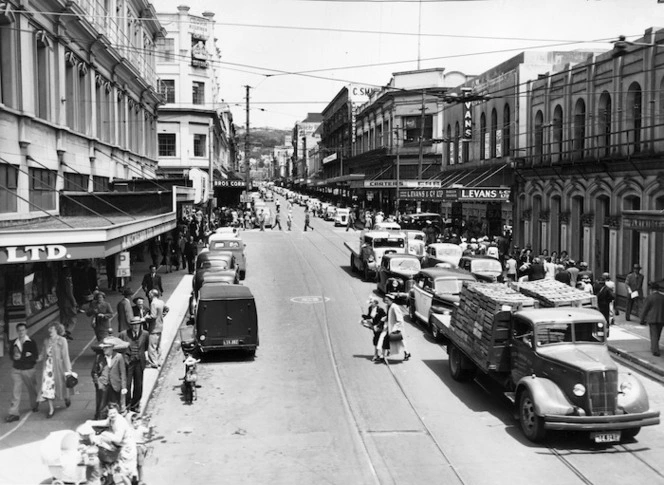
152,281
125,312
136,362
634,283
155,327
23,352
140,311
653,315
109,374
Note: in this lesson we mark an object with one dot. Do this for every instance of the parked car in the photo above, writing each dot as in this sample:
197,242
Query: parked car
341,217
442,253
436,290
485,268
224,318
234,244
218,266
330,211
396,271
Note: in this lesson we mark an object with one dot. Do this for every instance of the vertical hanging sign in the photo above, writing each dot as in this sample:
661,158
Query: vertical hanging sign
467,121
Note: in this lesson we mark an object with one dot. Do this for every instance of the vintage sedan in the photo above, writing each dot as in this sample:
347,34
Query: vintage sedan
442,253
218,266
234,244
416,241
396,271
341,217
436,290
485,268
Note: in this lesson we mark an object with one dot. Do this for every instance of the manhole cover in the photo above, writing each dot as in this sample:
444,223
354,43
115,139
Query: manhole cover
309,299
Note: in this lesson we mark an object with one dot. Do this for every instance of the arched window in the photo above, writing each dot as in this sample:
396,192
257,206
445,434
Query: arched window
494,133
557,145
507,148
450,145
634,113
483,137
538,146
579,128
604,124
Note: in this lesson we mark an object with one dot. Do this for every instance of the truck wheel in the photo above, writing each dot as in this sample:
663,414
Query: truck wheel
628,434
411,311
532,425
352,263
456,360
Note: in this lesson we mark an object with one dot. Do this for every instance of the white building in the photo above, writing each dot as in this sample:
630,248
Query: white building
194,134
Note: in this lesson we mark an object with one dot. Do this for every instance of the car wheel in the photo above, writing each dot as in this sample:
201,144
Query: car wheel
456,361
532,425
435,332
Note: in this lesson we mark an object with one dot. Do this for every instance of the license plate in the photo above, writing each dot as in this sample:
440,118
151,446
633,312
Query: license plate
606,437
233,341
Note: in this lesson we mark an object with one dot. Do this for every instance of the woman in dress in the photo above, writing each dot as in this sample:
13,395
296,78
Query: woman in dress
394,325
55,356
101,312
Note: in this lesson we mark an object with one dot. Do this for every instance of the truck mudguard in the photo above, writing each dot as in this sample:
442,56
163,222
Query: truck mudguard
548,397
632,396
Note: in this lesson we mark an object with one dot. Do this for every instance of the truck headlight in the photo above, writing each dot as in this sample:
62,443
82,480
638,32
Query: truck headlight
579,390
625,387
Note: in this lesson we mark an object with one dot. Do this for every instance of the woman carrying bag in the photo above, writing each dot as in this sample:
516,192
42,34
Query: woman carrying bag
374,319
394,329
55,356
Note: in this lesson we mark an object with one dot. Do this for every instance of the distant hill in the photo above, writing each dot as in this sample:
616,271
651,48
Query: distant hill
262,140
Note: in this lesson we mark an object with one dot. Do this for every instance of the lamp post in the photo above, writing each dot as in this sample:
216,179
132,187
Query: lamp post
397,199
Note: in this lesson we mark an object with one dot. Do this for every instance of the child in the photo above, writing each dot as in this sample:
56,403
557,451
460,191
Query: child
141,433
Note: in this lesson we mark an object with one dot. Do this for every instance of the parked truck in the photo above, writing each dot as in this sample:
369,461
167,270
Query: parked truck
372,245
548,350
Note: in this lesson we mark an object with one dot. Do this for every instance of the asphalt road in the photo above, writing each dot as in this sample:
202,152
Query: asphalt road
312,407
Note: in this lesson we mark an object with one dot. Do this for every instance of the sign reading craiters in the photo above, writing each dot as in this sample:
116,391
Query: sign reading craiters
476,194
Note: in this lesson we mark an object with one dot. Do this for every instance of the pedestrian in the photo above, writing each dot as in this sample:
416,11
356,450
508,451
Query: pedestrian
289,219
585,271
152,281
277,220
125,312
605,297
112,284
155,327
261,220
190,250
585,285
375,320
24,354
394,330
170,254
351,220
549,269
653,315
136,361
56,365
109,375
101,312
510,267
573,272
634,283
118,436
64,291
306,220
562,275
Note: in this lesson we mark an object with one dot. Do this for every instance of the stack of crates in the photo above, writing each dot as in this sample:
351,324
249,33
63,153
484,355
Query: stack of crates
553,293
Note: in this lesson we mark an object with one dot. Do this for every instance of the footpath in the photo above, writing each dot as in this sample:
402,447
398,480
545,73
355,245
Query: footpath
20,441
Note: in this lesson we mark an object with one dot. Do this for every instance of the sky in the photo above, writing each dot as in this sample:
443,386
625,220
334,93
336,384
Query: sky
297,54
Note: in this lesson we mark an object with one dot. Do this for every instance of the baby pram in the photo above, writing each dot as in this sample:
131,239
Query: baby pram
60,452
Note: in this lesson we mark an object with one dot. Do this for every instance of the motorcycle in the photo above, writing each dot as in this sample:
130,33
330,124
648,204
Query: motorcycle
190,378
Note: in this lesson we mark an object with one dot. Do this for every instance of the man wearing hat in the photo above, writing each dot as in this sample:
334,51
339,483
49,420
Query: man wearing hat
653,315
125,312
109,374
135,360
634,283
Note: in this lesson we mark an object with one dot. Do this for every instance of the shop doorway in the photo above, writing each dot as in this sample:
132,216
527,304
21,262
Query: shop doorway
602,231
631,253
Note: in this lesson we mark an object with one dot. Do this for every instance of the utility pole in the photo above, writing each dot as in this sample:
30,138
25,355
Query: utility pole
421,150
396,132
247,165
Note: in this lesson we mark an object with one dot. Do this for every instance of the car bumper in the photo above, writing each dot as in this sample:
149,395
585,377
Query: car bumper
601,423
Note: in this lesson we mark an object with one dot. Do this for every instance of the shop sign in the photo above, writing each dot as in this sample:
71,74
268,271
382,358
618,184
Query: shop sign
484,194
28,254
467,121
199,54
232,183
428,194
330,158
392,184
122,265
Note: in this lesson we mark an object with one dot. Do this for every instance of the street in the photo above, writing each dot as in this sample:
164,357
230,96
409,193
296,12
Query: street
313,408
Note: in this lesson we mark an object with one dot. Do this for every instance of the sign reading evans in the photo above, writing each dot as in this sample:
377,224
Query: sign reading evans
484,193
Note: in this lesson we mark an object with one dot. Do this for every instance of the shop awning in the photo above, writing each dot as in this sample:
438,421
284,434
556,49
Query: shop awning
345,178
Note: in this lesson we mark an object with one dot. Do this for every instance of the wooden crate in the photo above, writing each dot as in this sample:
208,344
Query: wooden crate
552,293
